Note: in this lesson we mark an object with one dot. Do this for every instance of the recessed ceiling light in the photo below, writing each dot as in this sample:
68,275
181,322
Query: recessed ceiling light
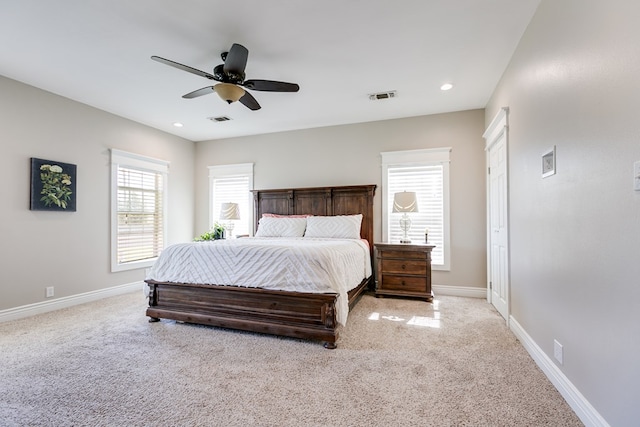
178,124
446,86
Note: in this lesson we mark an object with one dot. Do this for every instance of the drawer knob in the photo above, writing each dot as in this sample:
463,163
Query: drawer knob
402,283
404,266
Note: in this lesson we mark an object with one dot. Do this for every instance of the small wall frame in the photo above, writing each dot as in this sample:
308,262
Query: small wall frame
549,162
53,186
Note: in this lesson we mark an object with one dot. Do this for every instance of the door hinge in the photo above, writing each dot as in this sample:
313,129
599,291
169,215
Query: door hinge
488,171
490,285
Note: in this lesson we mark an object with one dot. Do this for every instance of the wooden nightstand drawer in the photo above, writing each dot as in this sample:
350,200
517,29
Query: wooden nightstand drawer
406,266
403,254
404,283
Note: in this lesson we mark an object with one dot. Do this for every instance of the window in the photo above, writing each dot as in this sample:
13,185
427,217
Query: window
138,210
232,184
427,173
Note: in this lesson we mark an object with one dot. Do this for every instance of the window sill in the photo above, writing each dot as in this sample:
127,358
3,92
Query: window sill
135,265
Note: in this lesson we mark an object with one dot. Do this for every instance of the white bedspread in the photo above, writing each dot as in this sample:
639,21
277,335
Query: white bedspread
304,264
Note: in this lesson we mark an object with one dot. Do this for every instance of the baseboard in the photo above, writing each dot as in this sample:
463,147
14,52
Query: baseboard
64,302
459,291
580,405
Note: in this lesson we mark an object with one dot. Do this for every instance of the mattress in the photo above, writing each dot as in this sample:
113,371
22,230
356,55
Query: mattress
303,264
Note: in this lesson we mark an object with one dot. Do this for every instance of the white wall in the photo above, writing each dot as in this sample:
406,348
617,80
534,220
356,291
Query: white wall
350,155
574,82
70,250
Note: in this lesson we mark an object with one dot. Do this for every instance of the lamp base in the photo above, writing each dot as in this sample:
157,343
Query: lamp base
405,226
229,228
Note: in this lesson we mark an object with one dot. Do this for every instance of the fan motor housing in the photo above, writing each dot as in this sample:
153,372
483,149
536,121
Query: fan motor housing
221,76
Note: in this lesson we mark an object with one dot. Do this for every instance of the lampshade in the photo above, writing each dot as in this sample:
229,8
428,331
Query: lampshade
405,202
229,92
229,211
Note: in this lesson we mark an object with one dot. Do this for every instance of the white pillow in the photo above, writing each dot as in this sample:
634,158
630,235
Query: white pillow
337,227
281,227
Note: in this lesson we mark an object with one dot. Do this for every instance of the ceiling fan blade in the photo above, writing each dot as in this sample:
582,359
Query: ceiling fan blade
184,67
249,101
236,60
271,86
204,91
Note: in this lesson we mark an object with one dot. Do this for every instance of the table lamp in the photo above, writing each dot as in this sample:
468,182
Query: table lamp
229,212
405,202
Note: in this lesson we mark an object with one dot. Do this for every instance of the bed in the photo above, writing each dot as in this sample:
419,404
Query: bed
306,315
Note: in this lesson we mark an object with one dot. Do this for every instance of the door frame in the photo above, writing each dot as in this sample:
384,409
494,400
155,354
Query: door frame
499,126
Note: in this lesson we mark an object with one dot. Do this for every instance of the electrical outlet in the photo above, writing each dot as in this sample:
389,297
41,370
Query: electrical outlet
636,176
49,291
557,351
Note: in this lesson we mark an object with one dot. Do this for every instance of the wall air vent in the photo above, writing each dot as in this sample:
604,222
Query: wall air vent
383,95
219,119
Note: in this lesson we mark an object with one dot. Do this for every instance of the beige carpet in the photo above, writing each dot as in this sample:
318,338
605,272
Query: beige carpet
398,363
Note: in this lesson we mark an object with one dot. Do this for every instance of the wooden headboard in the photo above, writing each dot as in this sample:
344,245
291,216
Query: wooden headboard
347,200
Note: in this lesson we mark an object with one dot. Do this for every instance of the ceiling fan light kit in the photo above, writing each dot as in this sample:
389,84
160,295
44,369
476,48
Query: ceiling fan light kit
229,92
231,77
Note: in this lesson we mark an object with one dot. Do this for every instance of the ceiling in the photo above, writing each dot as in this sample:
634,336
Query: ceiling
98,53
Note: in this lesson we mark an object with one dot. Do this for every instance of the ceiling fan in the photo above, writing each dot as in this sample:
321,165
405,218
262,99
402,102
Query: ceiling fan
231,77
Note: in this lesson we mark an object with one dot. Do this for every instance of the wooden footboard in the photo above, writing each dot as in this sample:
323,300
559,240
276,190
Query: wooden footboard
293,314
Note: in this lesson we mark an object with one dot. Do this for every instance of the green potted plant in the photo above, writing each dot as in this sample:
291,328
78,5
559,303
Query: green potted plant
216,233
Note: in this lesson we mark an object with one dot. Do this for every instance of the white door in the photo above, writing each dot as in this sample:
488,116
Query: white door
498,219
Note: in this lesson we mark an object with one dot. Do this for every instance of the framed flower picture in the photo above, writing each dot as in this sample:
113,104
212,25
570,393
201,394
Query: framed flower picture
53,186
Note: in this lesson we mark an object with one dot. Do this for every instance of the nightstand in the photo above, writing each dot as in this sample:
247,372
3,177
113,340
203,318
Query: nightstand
404,270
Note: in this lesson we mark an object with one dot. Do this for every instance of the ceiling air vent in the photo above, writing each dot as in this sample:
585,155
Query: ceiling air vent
219,119
383,95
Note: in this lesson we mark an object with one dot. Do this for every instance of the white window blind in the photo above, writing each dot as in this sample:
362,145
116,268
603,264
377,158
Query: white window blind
426,173
232,184
426,181
139,210
140,215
